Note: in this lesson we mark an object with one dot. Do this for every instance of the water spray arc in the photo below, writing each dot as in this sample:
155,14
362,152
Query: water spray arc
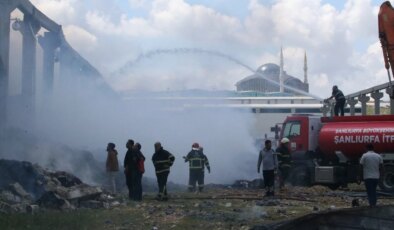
197,51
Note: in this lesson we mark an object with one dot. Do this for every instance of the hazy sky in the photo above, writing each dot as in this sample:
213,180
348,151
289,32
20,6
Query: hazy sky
340,38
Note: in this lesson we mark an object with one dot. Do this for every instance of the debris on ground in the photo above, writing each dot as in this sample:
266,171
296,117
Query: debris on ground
26,187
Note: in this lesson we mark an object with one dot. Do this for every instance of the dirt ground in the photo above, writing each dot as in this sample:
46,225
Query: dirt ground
217,208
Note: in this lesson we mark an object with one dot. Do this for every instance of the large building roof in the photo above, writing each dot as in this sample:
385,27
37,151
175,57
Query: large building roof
269,74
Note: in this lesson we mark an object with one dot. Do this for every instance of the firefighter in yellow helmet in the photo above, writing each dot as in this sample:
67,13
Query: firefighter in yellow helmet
197,163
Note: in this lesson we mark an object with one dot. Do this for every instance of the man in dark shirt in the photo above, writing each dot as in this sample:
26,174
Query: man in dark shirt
340,101
127,164
162,160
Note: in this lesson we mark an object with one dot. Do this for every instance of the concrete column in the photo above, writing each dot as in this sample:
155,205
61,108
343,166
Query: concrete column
363,99
29,28
390,92
352,104
49,42
377,96
4,60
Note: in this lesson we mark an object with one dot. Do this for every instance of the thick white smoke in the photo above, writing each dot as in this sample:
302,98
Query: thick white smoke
81,115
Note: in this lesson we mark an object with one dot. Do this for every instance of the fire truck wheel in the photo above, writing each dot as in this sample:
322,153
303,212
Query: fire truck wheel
300,176
387,181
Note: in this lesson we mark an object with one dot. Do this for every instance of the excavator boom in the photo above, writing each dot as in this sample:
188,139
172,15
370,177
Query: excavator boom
386,36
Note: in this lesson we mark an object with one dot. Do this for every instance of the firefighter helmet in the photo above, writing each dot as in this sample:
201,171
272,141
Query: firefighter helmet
284,140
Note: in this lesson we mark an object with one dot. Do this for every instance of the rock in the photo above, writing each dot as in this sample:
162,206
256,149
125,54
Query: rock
169,211
228,205
237,210
17,189
32,209
9,197
315,209
332,207
83,192
66,180
115,204
267,203
19,208
53,200
91,204
241,184
24,173
5,208
281,211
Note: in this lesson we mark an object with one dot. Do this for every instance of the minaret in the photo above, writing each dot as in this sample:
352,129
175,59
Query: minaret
305,69
281,72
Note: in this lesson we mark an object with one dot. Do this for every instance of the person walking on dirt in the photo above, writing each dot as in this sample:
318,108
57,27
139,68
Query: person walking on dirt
136,169
284,160
128,165
340,101
162,160
197,163
112,165
269,159
372,164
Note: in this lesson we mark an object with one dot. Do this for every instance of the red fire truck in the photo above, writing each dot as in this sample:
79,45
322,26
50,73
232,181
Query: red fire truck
328,150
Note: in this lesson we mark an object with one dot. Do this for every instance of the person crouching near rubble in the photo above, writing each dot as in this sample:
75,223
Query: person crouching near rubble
269,159
112,165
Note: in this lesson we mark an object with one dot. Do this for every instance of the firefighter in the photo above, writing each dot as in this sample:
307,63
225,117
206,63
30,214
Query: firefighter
269,159
340,101
197,163
284,160
162,160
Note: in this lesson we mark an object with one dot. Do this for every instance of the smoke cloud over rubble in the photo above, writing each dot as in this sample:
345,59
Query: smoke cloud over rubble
74,124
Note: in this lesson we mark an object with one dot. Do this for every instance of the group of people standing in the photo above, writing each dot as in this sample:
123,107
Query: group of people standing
133,168
162,160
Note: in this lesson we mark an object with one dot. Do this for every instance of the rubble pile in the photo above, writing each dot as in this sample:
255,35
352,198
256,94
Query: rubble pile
253,184
26,187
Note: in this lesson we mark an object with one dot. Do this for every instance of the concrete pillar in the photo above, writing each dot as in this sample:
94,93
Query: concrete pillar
390,92
377,96
363,99
49,42
352,104
29,29
4,60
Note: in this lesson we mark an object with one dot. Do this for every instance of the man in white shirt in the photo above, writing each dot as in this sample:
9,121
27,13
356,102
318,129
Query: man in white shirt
372,165
269,159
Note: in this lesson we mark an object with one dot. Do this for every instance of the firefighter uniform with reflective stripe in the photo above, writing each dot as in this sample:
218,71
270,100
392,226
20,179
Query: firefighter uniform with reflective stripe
285,162
197,163
162,161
